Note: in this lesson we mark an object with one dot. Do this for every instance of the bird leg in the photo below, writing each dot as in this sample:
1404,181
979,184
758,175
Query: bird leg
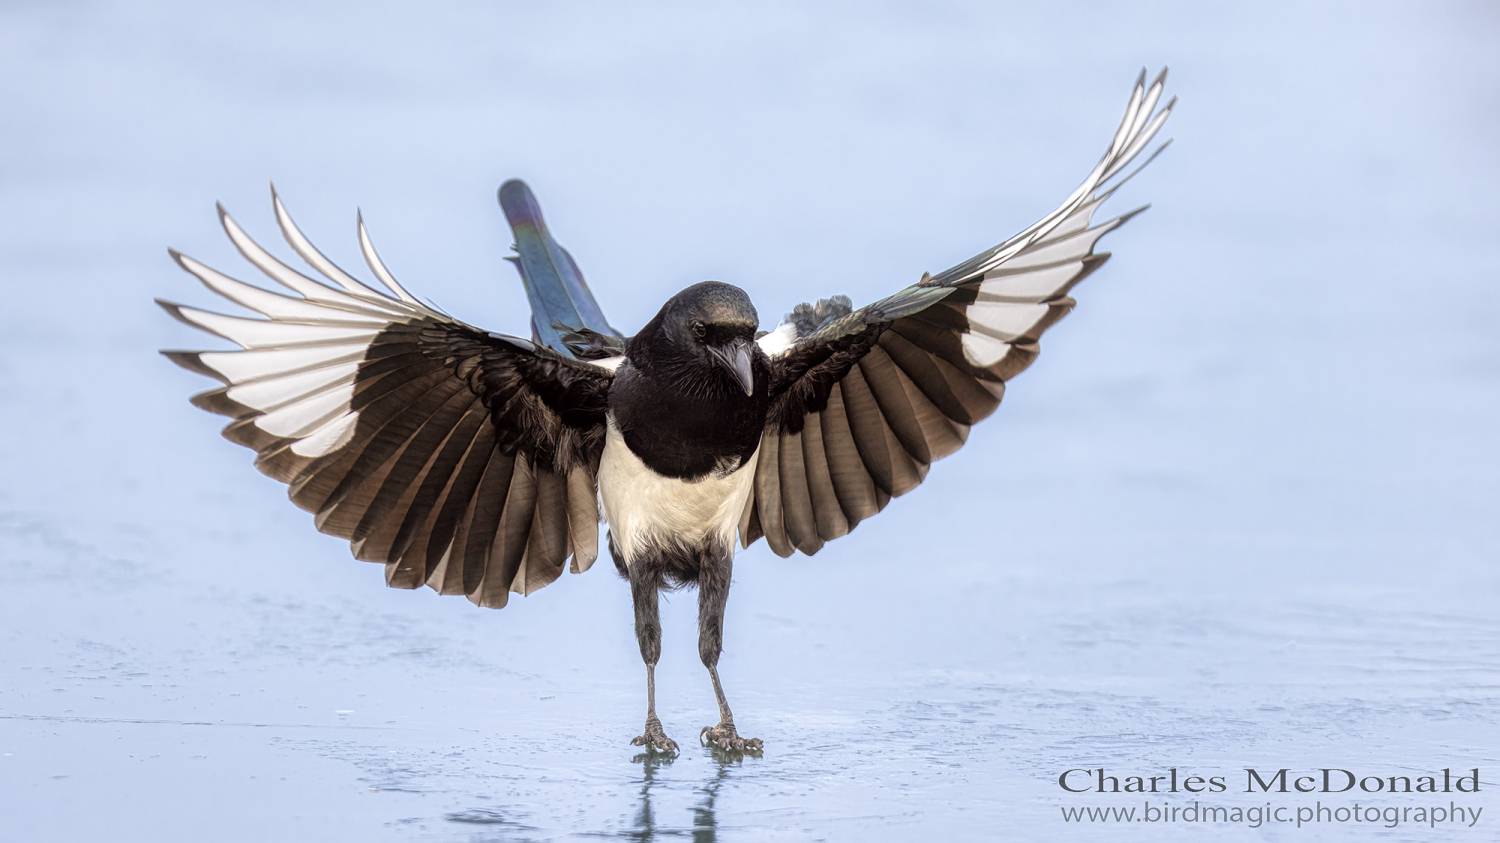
713,594
653,737
645,583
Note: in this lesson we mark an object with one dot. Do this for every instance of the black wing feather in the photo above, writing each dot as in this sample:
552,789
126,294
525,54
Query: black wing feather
851,481
863,401
461,459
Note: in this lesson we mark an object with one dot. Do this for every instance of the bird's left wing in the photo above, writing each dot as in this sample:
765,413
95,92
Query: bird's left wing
863,401
461,459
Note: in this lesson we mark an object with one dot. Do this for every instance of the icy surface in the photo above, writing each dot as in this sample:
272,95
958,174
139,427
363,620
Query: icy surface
1241,513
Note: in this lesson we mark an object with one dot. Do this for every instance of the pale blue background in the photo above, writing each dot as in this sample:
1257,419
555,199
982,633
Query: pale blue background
1242,512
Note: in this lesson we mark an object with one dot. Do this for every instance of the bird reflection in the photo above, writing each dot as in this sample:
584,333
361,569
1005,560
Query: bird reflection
705,826
645,820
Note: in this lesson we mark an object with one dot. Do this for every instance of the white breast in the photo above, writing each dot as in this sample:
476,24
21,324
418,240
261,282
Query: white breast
643,507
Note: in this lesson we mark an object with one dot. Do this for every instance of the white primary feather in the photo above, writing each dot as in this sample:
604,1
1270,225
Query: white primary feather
261,333
1132,110
1017,277
983,351
1031,286
367,247
1069,248
275,305
1074,222
1005,320
1138,144
299,364
316,259
268,394
1040,264
1137,128
365,302
244,366
303,417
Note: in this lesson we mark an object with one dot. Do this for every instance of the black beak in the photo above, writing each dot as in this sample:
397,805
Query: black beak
734,356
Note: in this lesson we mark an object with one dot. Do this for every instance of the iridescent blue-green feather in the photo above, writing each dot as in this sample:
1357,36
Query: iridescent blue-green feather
561,303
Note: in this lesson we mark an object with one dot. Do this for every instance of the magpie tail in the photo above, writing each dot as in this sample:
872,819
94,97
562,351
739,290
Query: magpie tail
562,308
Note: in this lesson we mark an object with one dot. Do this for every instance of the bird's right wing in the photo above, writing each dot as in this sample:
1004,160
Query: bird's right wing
461,459
863,401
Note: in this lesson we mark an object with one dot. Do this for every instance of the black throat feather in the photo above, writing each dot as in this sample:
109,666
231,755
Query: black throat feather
680,414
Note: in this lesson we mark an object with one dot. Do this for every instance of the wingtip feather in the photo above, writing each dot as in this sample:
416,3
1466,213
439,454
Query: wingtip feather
304,247
377,266
191,361
174,310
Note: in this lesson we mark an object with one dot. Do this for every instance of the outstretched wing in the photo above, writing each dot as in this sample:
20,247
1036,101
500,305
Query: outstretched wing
863,401
459,458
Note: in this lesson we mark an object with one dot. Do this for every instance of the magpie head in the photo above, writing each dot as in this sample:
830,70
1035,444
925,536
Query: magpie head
703,337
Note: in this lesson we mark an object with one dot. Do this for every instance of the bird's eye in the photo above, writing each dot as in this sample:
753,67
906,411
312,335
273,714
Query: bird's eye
700,330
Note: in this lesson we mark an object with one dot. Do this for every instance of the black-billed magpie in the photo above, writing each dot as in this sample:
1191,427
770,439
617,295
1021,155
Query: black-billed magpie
479,463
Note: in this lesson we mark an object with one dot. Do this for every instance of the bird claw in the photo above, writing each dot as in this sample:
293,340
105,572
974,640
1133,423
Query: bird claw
724,736
655,738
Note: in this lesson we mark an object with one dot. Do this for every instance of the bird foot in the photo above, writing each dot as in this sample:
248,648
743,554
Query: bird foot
654,738
724,736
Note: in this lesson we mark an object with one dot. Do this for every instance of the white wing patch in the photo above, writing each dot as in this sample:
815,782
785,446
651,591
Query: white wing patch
1032,286
1005,320
1072,218
1020,287
984,351
942,352
298,364
270,393
244,366
1047,253
304,415
260,333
